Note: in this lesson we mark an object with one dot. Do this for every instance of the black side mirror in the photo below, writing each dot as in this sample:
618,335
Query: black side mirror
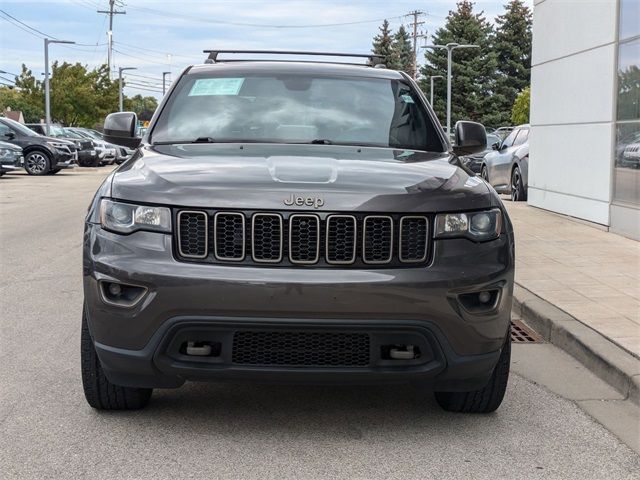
120,128
10,135
470,138
496,146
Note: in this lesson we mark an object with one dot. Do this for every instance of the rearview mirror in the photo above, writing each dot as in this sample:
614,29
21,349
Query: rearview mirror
470,138
120,128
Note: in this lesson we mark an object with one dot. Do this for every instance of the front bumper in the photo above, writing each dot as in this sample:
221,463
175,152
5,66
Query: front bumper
64,159
420,304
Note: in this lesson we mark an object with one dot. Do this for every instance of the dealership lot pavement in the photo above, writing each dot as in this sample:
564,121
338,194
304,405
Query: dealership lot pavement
249,431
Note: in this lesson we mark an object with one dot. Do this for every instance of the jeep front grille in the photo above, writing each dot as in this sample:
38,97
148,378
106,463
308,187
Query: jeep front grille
300,348
303,239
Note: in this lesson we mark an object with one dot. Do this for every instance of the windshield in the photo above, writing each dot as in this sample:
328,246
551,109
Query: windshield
20,128
93,134
296,109
55,131
71,134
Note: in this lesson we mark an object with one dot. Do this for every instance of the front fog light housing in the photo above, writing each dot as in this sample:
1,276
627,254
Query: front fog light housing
480,226
127,218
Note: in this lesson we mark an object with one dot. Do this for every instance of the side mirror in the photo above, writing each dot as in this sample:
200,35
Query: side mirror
496,146
10,135
120,128
470,138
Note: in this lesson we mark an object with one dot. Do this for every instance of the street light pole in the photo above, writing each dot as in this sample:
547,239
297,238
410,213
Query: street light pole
120,99
164,83
450,47
433,77
47,97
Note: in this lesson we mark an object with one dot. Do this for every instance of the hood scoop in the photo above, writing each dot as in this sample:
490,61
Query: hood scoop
303,170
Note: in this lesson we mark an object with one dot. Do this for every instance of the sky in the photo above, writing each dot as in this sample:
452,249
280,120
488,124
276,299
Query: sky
158,36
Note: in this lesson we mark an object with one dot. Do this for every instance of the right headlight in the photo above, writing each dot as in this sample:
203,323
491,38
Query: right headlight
127,217
8,154
479,226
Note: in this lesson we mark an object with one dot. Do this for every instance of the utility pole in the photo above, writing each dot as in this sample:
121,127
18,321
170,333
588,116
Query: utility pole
164,82
111,12
415,35
120,99
47,96
450,47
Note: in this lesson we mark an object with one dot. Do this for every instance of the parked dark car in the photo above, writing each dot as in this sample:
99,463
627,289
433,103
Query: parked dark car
87,153
107,152
10,158
296,222
42,155
507,167
474,162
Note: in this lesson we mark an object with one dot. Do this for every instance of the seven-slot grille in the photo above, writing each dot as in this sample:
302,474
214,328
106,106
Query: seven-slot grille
293,238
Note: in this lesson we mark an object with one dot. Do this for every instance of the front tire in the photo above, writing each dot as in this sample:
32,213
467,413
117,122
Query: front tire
485,400
37,163
518,192
100,393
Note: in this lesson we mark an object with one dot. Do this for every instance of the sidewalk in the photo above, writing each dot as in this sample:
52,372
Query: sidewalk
592,275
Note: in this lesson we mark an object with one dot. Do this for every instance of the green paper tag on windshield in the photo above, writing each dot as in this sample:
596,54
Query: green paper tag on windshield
216,86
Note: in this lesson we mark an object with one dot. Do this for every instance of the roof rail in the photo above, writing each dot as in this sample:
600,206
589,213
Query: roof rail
374,59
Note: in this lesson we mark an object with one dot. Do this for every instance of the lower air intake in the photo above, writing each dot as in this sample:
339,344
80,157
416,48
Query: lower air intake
295,348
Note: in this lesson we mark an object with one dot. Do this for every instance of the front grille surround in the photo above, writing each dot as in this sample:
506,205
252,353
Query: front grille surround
218,238
403,245
295,252
372,251
329,253
254,226
183,241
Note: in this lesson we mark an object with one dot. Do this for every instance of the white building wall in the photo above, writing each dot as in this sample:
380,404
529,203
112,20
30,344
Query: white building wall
573,107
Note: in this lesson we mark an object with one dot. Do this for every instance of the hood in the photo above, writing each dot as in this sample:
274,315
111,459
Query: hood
57,140
269,176
10,146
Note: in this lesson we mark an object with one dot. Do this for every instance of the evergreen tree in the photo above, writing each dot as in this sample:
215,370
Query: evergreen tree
401,51
473,69
383,44
513,48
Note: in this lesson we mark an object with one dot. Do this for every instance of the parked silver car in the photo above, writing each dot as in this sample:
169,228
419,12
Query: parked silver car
506,168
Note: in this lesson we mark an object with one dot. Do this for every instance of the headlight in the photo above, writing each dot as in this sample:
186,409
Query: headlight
58,145
127,218
478,226
8,153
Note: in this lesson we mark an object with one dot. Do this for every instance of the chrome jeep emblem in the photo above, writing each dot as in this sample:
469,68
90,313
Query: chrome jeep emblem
299,201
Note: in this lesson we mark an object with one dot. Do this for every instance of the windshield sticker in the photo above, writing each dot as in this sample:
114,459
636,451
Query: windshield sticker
216,86
407,98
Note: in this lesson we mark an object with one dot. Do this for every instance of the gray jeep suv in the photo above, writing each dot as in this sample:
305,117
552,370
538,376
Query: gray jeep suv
296,222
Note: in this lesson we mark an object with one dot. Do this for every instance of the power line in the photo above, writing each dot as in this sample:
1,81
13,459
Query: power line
7,79
256,25
129,46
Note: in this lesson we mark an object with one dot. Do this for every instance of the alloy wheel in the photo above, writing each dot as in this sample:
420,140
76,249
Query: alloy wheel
516,185
36,163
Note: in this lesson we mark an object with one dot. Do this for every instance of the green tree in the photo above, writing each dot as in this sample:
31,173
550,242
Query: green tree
12,98
512,44
473,69
401,51
139,104
383,44
79,96
520,110
28,96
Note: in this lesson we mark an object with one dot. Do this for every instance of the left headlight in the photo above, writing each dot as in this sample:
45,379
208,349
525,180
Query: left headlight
127,218
479,226
8,153
58,145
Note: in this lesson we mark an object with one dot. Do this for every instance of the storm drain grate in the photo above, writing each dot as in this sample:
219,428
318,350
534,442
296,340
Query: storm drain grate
520,333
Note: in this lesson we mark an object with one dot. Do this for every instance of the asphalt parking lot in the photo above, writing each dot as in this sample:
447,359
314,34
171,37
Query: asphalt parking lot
251,431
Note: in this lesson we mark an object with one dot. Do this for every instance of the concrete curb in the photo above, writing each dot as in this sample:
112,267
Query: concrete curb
604,358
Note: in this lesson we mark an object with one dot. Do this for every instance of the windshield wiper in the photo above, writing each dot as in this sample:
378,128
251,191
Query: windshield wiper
321,141
204,140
